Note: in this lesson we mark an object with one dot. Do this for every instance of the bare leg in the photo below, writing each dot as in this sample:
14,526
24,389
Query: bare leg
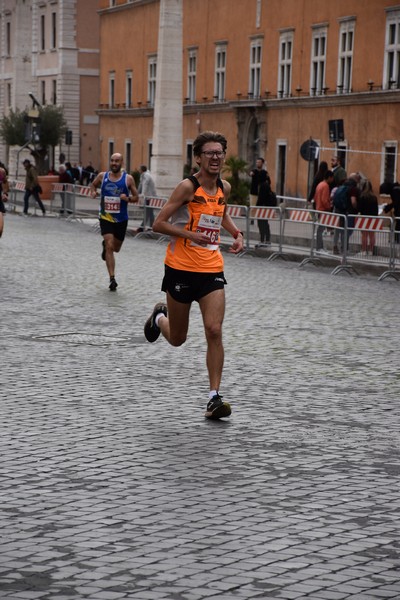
111,245
212,309
175,327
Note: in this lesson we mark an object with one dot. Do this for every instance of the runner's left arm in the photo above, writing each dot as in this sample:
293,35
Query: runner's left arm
229,225
133,194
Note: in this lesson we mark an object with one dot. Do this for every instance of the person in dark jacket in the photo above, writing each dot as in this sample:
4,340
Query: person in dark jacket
368,205
393,209
64,177
266,197
32,187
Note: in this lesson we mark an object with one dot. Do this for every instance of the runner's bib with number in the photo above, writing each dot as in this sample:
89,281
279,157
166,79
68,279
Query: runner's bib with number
112,208
112,204
209,225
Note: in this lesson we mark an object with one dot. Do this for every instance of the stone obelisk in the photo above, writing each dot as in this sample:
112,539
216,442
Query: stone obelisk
167,162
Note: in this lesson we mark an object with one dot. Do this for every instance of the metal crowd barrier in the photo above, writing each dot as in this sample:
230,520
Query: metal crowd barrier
16,198
16,195
363,239
65,193
272,216
151,206
239,213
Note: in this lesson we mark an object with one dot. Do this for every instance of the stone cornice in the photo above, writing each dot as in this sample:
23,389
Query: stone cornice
127,5
361,98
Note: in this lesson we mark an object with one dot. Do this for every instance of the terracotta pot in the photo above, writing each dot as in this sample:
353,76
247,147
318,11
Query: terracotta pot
46,182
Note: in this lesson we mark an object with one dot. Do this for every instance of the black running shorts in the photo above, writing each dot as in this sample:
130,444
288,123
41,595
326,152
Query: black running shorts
186,286
118,230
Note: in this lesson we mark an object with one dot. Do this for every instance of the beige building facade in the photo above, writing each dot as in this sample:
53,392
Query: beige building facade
50,48
268,74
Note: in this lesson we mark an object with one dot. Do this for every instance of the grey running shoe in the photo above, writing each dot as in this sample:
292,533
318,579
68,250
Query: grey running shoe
216,409
151,330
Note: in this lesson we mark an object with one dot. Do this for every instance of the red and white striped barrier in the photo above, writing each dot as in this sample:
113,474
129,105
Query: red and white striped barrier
235,211
155,202
300,216
370,223
19,186
81,190
265,213
329,219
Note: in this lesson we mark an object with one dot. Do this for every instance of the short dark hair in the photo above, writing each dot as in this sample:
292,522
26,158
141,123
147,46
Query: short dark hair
208,136
143,168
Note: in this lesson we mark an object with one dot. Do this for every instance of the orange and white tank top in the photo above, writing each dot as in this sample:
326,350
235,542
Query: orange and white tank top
204,213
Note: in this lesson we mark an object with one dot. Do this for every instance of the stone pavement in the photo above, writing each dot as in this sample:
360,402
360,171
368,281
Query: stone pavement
112,483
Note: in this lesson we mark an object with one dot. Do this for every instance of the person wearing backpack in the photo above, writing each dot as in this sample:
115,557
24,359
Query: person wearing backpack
345,202
368,205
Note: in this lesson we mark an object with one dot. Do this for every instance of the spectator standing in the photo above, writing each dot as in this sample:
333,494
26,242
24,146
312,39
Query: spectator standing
64,178
368,205
258,176
70,171
76,173
319,176
322,199
351,208
393,208
32,187
4,188
339,173
266,197
88,174
147,189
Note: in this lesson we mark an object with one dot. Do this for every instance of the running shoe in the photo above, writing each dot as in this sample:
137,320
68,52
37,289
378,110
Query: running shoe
113,285
103,252
151,330
216,408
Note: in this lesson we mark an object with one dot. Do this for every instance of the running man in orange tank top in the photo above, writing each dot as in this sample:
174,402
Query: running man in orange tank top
193,218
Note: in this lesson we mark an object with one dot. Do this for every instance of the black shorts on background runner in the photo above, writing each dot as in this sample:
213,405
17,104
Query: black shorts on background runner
118,230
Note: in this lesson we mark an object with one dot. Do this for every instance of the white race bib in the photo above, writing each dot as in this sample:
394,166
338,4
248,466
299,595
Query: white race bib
210,225
112,204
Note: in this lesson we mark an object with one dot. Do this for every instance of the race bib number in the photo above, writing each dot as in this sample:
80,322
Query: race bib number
112,204
210,226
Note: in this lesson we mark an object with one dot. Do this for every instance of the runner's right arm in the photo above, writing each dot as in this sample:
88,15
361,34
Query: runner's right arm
180,196
97,181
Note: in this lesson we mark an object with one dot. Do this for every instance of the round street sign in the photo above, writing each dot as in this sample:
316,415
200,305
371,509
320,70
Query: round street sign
309,150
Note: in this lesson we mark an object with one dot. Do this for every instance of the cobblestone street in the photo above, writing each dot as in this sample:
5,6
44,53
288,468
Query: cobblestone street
114,486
